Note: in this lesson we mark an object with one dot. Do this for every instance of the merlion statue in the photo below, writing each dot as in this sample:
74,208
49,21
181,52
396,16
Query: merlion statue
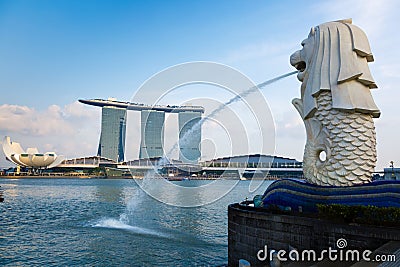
336,104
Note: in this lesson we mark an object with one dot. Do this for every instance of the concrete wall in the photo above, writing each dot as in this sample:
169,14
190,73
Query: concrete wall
250,229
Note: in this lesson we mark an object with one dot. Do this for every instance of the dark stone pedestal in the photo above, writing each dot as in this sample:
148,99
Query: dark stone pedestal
250,229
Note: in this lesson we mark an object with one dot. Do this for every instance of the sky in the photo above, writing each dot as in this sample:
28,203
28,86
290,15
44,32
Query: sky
53,53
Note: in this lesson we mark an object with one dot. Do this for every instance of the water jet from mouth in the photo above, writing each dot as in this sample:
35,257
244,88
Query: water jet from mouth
197,126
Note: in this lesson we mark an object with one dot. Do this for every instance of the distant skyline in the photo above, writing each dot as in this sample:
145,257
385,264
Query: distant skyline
56,52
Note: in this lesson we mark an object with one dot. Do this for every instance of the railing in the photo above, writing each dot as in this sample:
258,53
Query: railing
245,165
46,174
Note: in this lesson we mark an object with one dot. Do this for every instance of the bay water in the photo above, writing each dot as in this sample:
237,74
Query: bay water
100,222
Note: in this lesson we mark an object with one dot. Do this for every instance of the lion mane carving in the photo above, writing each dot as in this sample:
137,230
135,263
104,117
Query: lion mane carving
336,104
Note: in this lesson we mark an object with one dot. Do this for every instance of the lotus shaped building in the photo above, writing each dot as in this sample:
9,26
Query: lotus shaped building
30,158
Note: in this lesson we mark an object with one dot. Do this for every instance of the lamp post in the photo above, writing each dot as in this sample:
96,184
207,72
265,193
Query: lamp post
392,166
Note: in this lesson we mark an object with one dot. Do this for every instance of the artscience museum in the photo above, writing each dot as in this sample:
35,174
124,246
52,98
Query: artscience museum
30,158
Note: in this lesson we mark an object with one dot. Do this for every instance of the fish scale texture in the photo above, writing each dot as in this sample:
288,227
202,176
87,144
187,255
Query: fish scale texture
351,139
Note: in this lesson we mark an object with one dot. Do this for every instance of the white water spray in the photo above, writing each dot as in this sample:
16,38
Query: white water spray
197,126
166,192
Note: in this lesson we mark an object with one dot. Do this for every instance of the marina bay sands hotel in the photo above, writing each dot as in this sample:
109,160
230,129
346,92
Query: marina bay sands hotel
113,129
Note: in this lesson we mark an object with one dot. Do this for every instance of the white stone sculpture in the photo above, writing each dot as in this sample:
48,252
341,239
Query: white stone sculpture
31,157
336,104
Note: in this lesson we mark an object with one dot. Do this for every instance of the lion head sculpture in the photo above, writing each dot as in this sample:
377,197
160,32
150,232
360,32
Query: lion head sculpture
335,57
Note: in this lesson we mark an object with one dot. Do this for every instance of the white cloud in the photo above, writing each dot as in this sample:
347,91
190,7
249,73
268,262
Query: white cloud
79,110
372,16
256,51
28,121
389,70
52,121
71,130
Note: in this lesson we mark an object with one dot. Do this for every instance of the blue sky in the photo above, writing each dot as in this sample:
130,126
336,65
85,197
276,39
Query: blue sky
53,53
87,48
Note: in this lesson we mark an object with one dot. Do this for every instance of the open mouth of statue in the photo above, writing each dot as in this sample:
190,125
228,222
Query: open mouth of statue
301,66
